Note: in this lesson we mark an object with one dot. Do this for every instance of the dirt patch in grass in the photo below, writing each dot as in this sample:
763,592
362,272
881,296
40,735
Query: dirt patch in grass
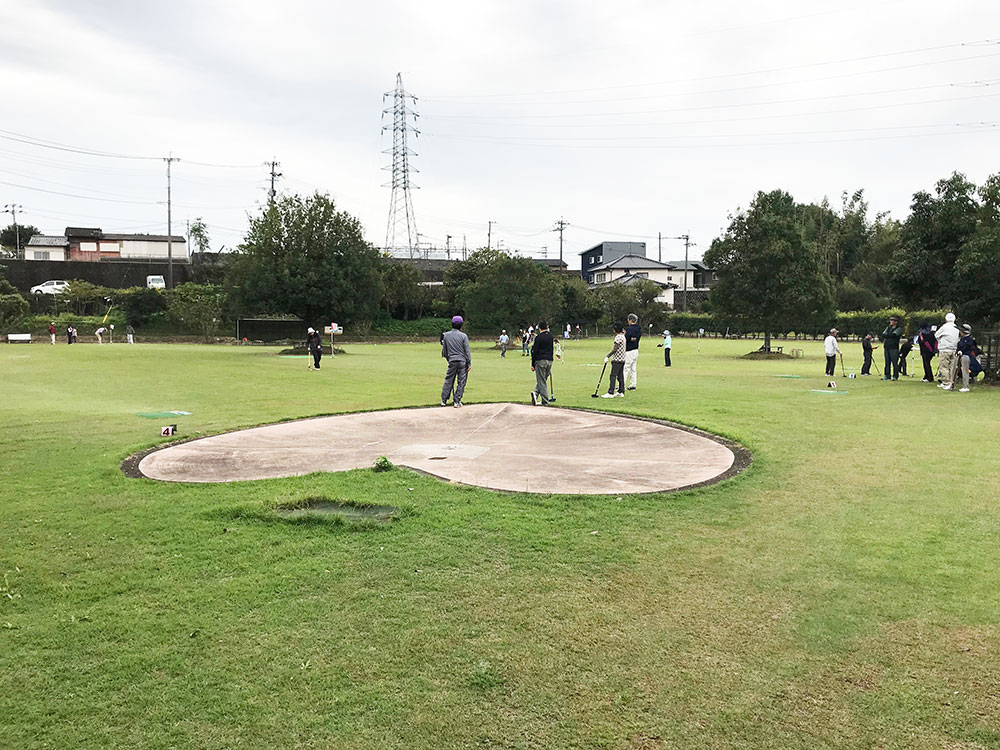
766,355
344,509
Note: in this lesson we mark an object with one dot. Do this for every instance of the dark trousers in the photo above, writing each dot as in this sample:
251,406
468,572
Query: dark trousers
317,355
866,367
617,371
831,365
902,364
891,363
928,372
457,369
666,356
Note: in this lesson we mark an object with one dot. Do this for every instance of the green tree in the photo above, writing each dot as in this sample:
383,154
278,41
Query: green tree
303,256
13,306
506,291
139,303
976,278
617,301
404,294
768,279
197,306
85,298
198,234
921,274
11,235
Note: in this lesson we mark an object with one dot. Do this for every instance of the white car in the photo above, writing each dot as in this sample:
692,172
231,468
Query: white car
50,287
155,282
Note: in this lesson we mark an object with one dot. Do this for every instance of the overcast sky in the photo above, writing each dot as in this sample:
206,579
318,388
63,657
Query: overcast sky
626,119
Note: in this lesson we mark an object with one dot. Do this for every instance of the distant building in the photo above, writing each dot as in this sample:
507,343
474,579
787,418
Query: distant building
46,247
553,264
605,253
93,244
671,277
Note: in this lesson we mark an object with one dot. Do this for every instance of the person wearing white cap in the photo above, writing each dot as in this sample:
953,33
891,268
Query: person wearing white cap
504,340
667,343
947,338
315,345
832,350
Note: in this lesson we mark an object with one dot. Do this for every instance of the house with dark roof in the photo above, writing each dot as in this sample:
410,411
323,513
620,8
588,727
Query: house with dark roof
674,277
606,252
93,244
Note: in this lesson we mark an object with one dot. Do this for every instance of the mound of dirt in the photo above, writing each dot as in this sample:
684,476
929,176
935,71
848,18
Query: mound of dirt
302,351
766,355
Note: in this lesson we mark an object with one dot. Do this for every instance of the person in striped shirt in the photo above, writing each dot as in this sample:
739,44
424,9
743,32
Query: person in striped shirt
617,358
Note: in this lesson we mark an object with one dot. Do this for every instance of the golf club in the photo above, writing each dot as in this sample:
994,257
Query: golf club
600,380
842,370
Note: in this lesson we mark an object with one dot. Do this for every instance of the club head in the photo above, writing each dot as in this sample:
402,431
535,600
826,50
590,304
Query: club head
594,395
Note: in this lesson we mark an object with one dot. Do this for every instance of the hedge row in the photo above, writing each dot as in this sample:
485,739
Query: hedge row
847,323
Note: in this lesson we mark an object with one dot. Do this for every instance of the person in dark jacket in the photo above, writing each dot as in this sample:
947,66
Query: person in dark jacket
890,346
968,362
632,335
866,349
928,348
315,346
541,364
904,349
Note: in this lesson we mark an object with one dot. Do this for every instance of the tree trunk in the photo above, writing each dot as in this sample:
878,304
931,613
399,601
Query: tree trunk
767,341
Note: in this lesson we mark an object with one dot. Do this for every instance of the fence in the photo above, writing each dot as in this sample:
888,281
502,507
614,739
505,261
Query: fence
991,356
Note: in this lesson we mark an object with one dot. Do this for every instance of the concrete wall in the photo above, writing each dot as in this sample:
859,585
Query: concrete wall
25,274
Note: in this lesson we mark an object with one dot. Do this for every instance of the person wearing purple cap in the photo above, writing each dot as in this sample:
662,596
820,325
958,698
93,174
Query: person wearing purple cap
455,349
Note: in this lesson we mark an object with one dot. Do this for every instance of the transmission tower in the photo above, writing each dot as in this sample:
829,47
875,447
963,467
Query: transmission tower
401,229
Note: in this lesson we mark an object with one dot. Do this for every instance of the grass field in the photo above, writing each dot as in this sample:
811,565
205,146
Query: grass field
842,592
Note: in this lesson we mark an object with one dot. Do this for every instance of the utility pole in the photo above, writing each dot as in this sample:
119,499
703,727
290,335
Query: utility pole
559,227
659,246
170,239
465,249
13,209
489,234
187,233
447,245
275,174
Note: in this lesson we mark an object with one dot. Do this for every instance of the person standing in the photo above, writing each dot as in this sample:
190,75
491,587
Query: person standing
541,364
100,334
566,335
890,348
667,343
904,349
130,334
455,349
968,351
577,331
947,340
504,339
632,335
315,345
866,350
52,333
617,358
928,348
69,334
832,350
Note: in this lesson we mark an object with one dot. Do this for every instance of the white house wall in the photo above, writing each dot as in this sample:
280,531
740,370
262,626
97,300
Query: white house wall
148,249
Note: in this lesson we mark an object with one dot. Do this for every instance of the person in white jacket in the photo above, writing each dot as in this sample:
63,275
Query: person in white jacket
832,350
947,337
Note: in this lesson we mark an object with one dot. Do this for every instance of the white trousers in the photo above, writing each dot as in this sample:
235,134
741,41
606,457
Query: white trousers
130,337
631,375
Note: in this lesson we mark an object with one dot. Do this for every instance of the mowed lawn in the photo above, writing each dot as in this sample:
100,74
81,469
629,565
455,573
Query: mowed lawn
842,592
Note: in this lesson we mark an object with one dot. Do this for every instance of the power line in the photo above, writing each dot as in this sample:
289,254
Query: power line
82,197
759,71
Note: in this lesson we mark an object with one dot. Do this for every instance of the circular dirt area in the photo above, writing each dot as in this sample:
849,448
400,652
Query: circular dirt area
512,447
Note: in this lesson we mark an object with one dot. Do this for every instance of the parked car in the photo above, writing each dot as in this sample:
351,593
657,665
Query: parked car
156,282
55,286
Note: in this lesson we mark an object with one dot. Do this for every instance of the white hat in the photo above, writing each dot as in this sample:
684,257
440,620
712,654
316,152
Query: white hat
950,317
311,331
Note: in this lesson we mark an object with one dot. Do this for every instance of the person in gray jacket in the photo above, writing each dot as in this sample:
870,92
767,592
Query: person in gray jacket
455,349
947,338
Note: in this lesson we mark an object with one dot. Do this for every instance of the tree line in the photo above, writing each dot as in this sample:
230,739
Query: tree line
780,266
